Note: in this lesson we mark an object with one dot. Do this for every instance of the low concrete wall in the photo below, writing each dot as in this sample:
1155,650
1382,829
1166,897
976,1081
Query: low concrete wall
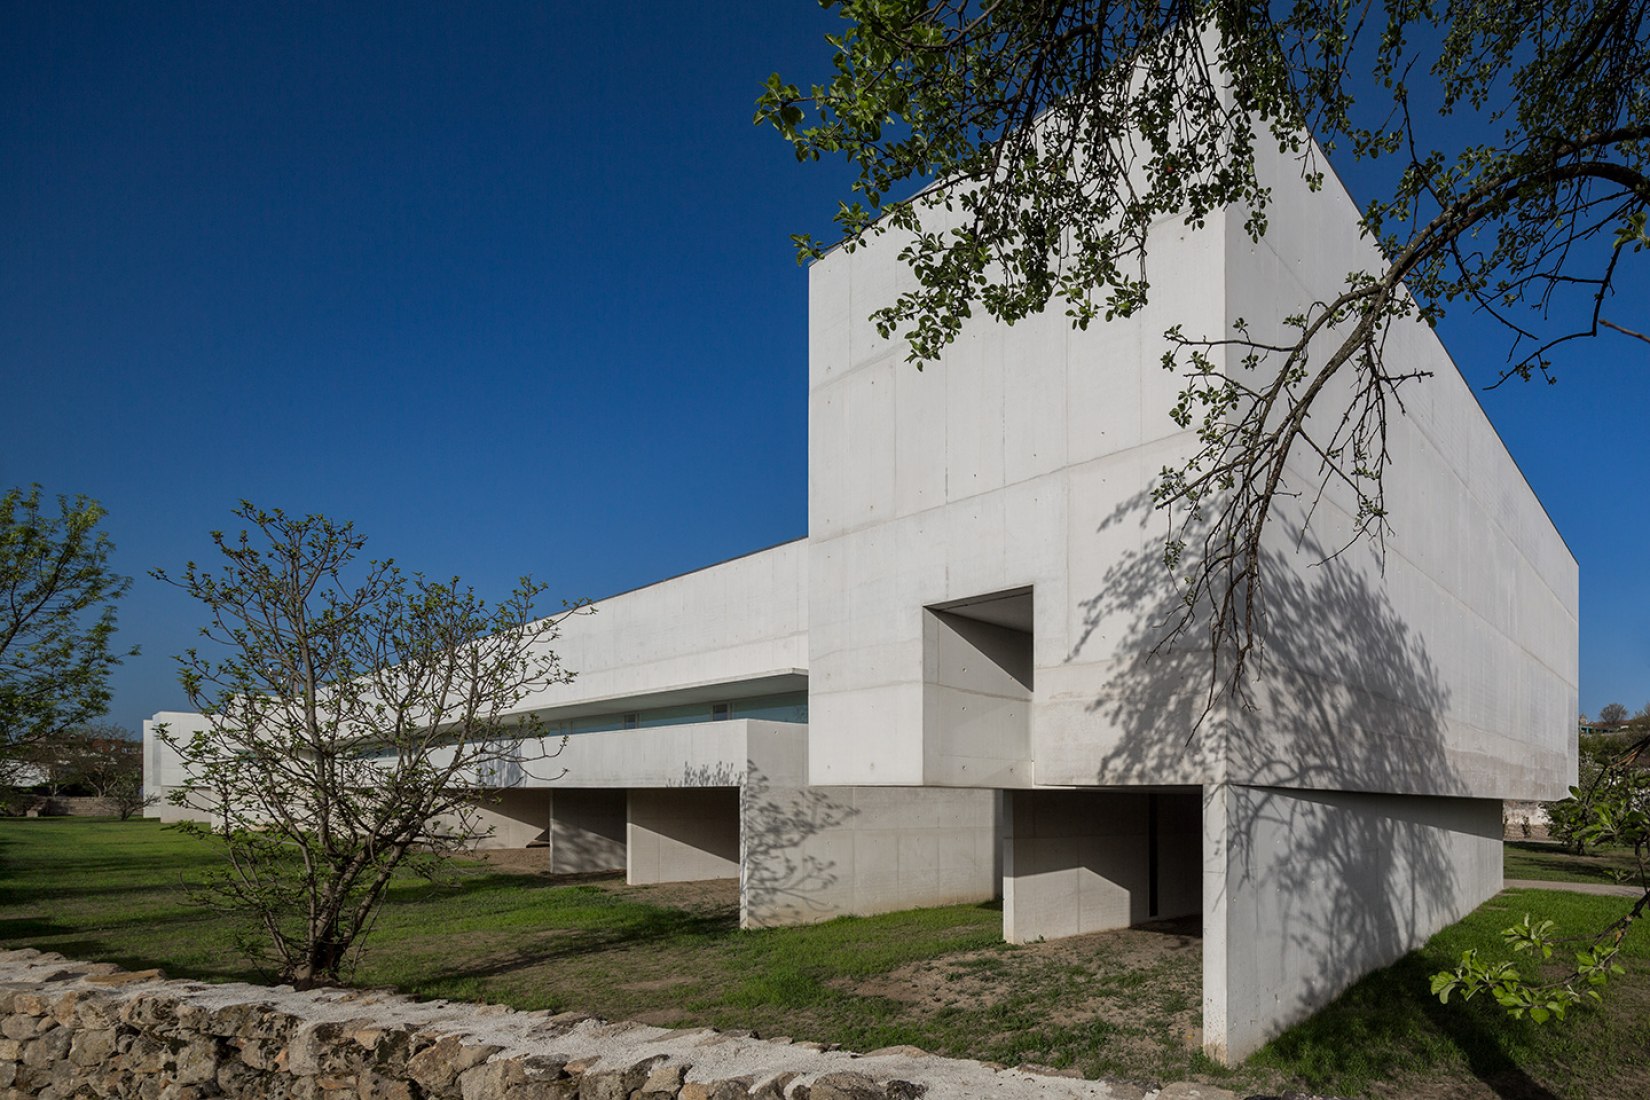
1309,890
77,1029
813,853
587,831
682,834
1091,861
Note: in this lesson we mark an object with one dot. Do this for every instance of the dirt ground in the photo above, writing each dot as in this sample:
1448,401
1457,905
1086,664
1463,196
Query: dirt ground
1149,975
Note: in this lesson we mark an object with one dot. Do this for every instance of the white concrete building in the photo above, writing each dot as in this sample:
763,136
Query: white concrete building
686,758
944,691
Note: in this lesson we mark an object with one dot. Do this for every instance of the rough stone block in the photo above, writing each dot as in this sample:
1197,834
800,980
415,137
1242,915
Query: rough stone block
18,1027
126,977
436,1068
96,1012
774,1087
846,1086
48,1049
617,1084
315,1049
663,1083
92,1048
197,1062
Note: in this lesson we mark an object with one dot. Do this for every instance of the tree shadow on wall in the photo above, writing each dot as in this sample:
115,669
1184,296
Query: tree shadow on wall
1344,697
720,774
787,863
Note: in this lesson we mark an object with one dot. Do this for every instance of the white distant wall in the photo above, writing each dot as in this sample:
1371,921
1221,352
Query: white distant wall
163,767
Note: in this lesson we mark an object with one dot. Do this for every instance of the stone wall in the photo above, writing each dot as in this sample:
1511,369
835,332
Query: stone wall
71,1030
65,805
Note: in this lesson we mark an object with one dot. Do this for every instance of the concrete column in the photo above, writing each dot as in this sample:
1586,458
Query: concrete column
682,834
1305,891
587,830
813,853
1090,861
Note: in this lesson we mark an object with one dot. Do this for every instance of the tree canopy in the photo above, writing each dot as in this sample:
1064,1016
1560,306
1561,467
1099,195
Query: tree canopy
57,616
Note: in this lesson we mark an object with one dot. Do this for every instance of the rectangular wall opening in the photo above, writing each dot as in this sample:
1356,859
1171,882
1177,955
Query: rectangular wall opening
978,677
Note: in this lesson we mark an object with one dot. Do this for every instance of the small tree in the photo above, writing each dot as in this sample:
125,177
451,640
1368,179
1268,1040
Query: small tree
57,617
99,757
127,796
350,712
1612,714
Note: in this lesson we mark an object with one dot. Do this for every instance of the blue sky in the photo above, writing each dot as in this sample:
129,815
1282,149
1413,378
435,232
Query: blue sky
511,287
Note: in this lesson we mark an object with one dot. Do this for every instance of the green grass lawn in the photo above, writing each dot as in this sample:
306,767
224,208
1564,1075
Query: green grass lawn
1125,1006
1551,862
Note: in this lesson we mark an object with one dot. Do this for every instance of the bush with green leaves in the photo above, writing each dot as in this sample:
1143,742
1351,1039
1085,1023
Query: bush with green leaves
1610,808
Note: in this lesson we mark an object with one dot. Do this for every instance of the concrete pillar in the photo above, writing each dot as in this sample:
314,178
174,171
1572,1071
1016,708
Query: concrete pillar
587,830
682,834
1090,861
1305,891
813,853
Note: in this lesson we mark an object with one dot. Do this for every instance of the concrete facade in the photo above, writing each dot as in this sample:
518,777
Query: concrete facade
986,590
682,834
949,689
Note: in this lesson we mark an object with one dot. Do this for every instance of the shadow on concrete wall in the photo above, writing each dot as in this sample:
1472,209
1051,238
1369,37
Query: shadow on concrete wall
785,874
1344,697
587,830
720,774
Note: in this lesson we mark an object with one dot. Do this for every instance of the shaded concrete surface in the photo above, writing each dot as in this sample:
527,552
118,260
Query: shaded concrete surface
683,833
1605,889
1087,861
587,830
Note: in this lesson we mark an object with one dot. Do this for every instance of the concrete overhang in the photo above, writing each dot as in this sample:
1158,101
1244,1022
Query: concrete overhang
772,682
729,753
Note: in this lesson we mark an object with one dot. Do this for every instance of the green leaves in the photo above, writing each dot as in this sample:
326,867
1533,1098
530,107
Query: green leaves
1610,807
57,615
